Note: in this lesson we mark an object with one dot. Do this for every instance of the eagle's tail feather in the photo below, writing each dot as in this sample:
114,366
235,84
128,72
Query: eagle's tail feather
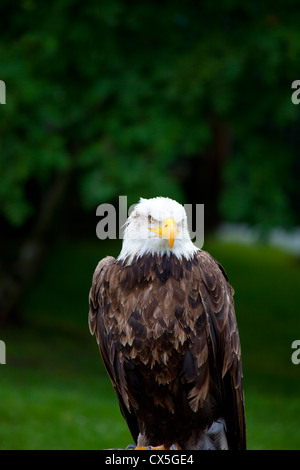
213,438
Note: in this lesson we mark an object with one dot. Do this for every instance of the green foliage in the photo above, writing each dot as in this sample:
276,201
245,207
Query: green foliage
258,184
120,91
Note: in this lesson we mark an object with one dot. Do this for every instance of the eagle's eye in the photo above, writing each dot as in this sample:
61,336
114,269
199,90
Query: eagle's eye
150,219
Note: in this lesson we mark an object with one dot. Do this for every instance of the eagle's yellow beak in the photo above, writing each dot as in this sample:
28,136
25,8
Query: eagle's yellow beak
167,231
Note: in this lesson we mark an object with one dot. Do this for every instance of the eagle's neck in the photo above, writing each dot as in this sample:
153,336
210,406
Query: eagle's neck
135,248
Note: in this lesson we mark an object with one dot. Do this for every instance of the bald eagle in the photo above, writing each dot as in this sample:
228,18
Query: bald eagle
163,315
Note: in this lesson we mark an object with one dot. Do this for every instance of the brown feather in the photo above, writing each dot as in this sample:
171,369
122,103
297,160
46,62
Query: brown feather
168,337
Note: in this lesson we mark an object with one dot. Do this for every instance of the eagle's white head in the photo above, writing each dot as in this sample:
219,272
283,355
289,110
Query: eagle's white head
157,225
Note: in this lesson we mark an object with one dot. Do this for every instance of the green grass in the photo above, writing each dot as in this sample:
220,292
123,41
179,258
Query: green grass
55,393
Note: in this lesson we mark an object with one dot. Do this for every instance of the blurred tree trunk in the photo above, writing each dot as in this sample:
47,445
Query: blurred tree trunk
31,251
203,183
220,152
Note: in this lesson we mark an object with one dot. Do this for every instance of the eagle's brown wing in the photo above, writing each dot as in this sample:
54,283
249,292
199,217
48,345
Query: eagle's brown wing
224,345
99,306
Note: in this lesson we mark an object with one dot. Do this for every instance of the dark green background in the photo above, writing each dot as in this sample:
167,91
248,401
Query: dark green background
190,100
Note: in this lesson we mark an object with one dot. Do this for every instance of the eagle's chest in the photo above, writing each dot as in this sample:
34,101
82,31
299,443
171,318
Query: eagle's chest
154,308
155,348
